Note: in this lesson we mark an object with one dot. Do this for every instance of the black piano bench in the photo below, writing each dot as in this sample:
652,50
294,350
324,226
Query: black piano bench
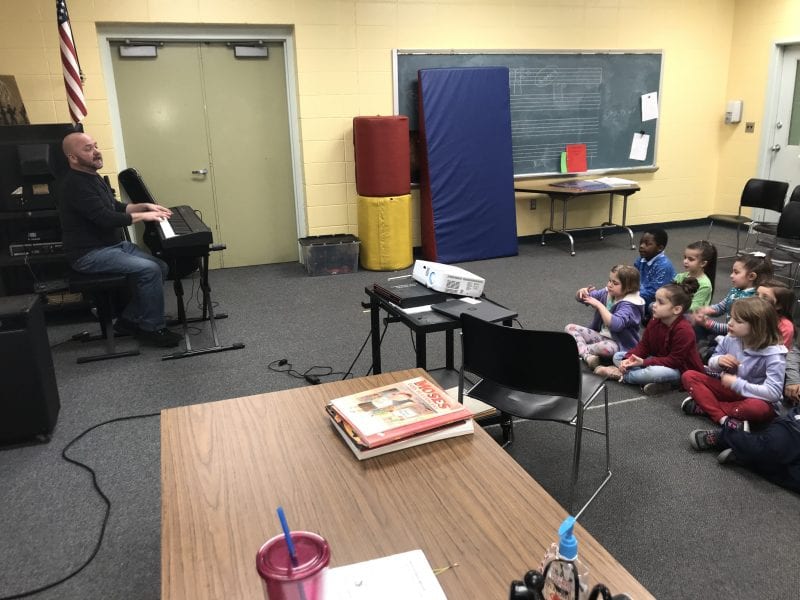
100,288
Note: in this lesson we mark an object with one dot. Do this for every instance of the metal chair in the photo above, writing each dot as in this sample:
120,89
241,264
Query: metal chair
784,246
533,375
757,193
766,232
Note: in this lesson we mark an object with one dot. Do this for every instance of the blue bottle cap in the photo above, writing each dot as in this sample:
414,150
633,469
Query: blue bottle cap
567,544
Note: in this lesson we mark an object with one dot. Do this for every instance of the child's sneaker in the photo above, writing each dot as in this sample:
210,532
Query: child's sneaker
654,389
611,372
689,407
592,361
702,439
726,457
736,424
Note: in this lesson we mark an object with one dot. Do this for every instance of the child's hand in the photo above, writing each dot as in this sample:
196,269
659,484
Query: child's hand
631,361
592,301
698,318
703,311
728,362
792,393
728,380
584,292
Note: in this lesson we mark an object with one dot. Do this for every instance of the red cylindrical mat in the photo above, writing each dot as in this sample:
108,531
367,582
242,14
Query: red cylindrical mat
382,155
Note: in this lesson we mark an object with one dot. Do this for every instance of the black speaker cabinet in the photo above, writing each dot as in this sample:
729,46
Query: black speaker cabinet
29,400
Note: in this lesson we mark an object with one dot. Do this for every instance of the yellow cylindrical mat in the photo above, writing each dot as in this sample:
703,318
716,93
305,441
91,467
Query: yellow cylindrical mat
384,228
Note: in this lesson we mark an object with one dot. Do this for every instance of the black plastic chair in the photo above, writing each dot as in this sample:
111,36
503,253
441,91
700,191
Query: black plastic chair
757,193
784,246
533,375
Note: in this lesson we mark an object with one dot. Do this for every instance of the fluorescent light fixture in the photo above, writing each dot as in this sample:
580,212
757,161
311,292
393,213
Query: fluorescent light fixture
251,52
138,51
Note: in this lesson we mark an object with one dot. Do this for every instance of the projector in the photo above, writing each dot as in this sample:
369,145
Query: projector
448,279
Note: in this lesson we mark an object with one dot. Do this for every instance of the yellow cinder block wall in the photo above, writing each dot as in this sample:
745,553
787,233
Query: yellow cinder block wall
713,50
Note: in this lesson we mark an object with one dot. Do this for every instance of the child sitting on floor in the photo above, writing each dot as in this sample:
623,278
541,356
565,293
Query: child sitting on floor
773,453
655,268
748,368
618,315
782,298
667,347
700,262
746,274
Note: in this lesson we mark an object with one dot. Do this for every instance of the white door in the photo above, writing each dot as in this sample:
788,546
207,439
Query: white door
783,163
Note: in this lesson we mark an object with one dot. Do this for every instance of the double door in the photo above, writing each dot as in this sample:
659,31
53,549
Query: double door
209,130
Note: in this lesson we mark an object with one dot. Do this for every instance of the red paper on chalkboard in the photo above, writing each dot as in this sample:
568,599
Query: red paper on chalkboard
576,158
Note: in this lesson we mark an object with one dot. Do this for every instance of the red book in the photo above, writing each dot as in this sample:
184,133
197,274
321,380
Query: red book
397,411
576,158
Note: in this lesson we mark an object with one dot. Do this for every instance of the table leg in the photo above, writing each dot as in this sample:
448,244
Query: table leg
449,362
552,218
422,353
375,334
563,230
624,216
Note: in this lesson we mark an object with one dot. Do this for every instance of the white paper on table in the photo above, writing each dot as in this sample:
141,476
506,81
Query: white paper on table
649,106
639,146
405,576
415,309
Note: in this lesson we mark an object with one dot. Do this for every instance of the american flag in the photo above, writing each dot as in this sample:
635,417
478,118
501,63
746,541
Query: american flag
69,61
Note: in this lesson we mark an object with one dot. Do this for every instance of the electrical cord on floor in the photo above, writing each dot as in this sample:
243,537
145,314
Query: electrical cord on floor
311,375
360,350
102,496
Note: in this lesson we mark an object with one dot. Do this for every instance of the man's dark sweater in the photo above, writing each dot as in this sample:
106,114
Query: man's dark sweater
90,216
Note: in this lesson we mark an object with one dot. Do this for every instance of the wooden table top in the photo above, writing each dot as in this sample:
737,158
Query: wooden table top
534,186
226,466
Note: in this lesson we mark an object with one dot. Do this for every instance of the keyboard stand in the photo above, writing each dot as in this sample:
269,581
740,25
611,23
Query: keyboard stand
207,315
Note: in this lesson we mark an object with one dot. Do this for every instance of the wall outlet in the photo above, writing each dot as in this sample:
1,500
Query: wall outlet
533,203
750,127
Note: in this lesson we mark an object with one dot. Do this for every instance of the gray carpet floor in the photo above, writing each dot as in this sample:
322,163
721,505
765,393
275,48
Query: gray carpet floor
685,526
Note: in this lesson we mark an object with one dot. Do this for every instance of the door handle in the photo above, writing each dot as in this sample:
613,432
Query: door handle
205,171
776,147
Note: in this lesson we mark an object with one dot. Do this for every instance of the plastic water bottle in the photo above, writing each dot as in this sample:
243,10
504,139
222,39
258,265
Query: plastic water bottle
568,578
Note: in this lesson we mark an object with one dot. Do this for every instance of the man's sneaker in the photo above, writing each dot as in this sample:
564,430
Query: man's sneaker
703,439
610,371
726,457
123,326
592,361
736,424
163,338
689,407
654,389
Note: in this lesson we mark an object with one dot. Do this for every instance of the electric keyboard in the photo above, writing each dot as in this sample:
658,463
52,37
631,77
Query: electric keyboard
184,229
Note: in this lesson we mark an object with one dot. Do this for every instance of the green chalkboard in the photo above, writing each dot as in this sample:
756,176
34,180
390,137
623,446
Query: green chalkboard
591,98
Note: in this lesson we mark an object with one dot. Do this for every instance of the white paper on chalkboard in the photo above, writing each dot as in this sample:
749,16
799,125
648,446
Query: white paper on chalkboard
650,106
639,146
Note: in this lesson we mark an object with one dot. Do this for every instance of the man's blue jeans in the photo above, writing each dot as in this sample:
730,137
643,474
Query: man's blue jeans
654,374
146,272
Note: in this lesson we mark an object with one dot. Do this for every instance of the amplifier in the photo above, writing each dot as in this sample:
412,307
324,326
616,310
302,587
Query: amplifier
35,248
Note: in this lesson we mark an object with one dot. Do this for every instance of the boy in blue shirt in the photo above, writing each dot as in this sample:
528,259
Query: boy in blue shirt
655,269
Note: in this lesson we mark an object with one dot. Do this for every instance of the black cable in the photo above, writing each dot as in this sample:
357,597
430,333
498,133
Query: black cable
102,496
360,350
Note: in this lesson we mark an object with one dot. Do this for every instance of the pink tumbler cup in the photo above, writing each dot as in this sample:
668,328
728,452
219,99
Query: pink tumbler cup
285,581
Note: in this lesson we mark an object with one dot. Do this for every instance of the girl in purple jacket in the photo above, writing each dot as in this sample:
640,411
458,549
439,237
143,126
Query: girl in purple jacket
747,370
617,318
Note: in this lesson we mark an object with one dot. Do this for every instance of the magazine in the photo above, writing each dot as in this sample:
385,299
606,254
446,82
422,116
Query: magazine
392,412
361,452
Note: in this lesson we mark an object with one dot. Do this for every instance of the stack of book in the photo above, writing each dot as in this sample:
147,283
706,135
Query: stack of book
397,416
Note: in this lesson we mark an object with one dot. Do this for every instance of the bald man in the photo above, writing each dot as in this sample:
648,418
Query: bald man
92,221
